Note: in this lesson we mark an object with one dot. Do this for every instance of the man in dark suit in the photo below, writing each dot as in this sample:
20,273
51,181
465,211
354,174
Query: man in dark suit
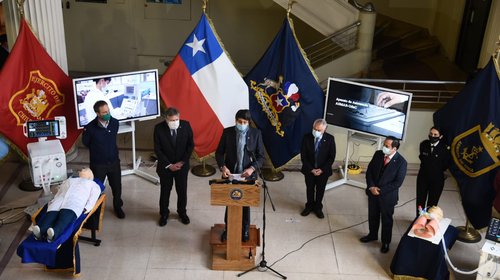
240,151
317,154
385,174
173,142
434,160
99,136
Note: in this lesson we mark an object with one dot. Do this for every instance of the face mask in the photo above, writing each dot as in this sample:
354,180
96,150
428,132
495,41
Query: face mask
173,124
106,117
242,127
433,139
316,134
386,150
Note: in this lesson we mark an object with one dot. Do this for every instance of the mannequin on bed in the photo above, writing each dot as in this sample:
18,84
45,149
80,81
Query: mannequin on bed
75,196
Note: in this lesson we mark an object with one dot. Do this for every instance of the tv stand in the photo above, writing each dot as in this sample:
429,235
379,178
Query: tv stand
360,138
130,127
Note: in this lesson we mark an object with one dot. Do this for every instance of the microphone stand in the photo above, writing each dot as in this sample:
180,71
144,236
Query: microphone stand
262,266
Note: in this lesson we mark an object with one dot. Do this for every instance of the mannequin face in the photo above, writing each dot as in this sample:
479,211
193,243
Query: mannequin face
86,173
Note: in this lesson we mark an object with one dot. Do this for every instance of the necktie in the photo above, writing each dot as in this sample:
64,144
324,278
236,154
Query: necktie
316,144
316,150
386,160
432,148
240,152
174,136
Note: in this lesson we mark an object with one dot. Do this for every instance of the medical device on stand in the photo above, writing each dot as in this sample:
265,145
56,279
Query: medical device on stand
47,160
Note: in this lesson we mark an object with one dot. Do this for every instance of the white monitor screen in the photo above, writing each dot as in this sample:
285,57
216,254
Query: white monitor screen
130,96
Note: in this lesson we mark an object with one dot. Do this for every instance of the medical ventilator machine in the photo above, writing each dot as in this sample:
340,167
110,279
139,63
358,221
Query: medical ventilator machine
47,160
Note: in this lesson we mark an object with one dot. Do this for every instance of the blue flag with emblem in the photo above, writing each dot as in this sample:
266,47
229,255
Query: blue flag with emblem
471,123
285,97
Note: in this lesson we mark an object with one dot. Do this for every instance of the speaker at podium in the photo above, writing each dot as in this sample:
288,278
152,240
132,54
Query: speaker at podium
233,254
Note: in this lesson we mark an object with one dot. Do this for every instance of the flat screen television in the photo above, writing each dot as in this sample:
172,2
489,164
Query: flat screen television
367,109
130,96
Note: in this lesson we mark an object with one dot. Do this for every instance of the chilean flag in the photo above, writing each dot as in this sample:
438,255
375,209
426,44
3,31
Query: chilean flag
203,84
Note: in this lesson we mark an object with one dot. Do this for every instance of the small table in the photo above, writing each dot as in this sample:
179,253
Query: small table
419,258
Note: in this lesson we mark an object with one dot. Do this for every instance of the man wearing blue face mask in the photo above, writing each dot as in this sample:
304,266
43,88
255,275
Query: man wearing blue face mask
317,154
384,176
240,151
100,137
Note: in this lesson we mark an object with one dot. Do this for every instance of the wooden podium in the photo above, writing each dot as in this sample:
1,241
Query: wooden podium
233,254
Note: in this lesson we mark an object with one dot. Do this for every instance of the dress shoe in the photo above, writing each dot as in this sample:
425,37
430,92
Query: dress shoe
163,221
368,238
119,213
305,212
223,236
185,219
319,214
385,248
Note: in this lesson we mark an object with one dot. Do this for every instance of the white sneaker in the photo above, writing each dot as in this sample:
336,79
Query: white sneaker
50,234
36,232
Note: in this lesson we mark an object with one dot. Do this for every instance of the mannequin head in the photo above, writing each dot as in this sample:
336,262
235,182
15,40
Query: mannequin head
86,173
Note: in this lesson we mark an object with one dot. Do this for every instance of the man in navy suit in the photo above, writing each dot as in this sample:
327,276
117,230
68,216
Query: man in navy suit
385,174
317,154
240,151
173,142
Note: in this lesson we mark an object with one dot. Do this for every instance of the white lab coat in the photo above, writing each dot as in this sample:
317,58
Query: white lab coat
77,195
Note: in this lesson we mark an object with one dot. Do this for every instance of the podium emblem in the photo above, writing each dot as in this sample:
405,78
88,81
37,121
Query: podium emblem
236,194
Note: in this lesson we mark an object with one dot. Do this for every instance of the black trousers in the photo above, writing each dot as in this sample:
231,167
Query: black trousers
380,210
430,186
114,173
166,182
245,222
315,191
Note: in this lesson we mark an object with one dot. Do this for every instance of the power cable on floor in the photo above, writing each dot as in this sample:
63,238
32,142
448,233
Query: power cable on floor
328,233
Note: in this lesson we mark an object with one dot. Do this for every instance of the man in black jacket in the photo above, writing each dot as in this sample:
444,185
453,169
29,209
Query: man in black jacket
317,154
434,160
100,137
173,143
240,151
384,176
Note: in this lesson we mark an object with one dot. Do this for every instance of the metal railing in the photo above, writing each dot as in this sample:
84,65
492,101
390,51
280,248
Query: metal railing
427,95
333,46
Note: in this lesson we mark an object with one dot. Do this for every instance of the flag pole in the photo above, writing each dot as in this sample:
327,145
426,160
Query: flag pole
468,234
203,170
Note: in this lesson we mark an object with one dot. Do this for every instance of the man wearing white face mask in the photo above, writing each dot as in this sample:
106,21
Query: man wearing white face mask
317,154
384,176
173,143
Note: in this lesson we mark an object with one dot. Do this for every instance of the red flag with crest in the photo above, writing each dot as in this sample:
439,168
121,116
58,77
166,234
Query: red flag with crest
33,87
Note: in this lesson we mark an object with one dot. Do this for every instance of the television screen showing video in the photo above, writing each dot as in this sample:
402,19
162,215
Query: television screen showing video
367,109
130,96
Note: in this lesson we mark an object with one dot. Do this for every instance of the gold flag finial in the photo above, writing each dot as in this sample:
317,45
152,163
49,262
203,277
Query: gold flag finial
20,7
204,6
289,10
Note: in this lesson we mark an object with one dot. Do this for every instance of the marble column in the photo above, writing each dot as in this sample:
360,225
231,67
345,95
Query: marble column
46,20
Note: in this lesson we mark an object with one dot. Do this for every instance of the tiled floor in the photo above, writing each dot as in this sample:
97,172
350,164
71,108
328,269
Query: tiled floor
137,248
